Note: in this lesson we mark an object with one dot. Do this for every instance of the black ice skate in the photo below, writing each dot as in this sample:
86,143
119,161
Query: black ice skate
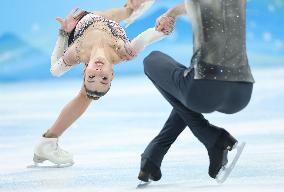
219,168
149,172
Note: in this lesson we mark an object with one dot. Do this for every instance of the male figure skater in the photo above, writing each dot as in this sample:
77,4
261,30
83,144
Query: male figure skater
218,79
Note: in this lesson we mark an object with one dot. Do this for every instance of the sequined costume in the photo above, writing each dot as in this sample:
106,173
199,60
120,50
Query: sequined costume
99,23
58,65
219,29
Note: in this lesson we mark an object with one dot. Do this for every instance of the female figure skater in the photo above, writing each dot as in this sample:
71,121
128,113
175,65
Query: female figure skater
97,40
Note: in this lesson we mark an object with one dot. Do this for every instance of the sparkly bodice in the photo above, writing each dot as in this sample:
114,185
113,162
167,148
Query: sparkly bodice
100,23
113,32
219,29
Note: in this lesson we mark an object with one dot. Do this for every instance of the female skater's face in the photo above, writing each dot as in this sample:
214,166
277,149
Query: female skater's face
99,73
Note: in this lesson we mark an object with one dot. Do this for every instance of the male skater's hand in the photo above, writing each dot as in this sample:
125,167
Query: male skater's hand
165,24
71,20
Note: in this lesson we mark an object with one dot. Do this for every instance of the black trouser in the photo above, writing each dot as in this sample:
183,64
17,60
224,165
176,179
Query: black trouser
189,98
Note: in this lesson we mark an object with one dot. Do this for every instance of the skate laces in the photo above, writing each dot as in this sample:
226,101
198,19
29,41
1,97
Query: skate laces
59,151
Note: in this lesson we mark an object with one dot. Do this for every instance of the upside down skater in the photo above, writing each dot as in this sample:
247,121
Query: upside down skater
96,40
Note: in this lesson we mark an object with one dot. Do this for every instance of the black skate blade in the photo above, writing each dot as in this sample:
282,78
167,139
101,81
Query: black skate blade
143,184
36,166
226,171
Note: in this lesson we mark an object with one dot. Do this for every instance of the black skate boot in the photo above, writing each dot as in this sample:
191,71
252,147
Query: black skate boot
149,171
218,154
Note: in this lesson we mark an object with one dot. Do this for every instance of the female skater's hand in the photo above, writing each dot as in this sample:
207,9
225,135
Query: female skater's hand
165,24
71,20
126,51
131,52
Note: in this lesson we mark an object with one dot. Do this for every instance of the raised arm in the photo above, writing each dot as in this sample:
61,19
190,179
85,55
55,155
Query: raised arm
59,64
62,59
166,22
176,11
164,26
146,38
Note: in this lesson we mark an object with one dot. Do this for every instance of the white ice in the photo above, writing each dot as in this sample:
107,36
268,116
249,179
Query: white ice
108,139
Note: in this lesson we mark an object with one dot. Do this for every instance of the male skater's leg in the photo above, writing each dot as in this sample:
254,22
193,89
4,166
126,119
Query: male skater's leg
167,75
216,140
162,64
154,153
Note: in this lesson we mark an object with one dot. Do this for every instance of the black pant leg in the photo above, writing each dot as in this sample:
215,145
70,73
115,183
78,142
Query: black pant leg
166,74
160,145
205,132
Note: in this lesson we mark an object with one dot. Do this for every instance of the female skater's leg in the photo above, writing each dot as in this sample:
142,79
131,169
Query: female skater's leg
69,114
47,148
121,13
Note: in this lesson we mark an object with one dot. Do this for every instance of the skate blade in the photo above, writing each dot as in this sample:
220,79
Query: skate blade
143,184
225,172
139,12
37,166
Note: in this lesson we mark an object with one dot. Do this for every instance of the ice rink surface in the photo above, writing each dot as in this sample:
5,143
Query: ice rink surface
108,139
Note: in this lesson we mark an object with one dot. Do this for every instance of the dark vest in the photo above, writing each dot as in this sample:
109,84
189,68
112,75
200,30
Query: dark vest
219,37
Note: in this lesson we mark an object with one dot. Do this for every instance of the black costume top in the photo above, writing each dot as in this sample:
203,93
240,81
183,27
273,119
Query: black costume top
219,35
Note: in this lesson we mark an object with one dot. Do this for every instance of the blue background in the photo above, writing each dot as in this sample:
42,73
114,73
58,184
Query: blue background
108,139
28,33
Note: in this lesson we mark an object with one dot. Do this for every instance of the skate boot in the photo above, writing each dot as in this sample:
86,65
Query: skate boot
48,149
149,171
218,156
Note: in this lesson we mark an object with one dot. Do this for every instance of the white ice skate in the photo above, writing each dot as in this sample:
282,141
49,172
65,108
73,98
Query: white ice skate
48,150
227,169
139,12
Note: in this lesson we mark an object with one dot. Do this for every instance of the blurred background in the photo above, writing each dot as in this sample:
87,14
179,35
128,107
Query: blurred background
28,33
108,139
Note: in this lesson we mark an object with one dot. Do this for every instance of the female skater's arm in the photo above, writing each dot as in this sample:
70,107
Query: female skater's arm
138,44
62,60
164,26
58,64
151,35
